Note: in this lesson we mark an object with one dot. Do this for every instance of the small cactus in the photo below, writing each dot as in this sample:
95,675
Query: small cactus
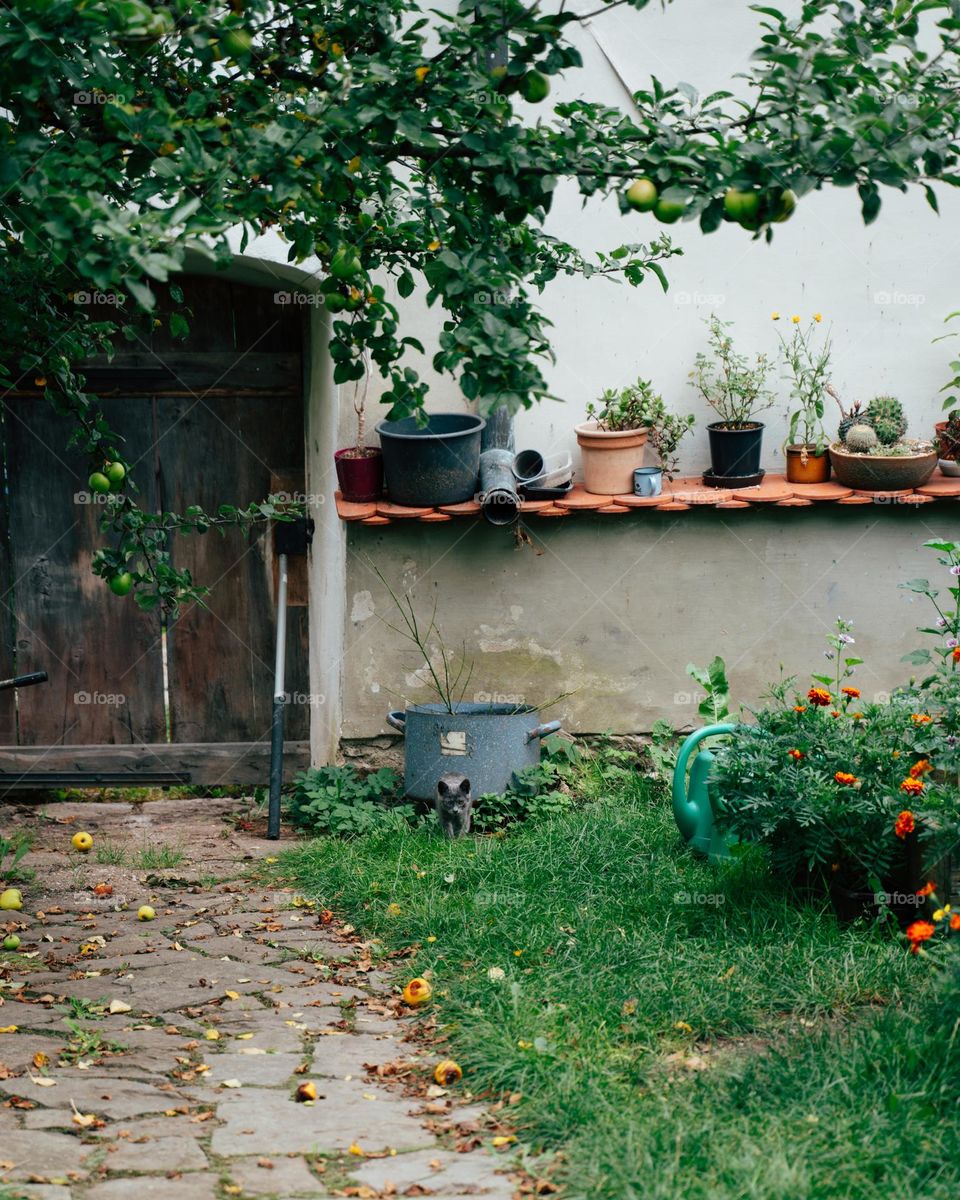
850,418
861,439
885,414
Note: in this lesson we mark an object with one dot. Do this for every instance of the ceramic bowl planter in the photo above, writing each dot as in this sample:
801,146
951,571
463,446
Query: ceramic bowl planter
434,463
610,457
882,472
359,473
949,466
805,465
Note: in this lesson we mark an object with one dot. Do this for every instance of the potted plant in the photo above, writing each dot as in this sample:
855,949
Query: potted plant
735,388
618,427
876,456
948,443
952,386
360,467
808,369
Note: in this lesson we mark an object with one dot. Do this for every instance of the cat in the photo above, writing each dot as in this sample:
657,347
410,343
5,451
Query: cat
454,805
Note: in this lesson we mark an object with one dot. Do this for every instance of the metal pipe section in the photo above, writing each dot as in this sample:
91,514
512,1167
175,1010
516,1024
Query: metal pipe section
499,501
279,702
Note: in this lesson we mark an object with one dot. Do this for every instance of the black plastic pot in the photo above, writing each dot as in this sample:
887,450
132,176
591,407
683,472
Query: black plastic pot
431,464
735,452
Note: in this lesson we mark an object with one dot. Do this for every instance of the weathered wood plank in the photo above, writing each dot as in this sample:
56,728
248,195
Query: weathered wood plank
8,601
222,654
101,652
210,764
179,370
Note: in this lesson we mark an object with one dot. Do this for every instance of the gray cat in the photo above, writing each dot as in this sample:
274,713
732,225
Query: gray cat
454,805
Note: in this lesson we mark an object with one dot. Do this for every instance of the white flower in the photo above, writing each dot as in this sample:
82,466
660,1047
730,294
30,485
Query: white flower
495,974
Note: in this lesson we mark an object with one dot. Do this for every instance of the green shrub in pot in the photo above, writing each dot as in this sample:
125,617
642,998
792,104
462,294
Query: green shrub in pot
617,427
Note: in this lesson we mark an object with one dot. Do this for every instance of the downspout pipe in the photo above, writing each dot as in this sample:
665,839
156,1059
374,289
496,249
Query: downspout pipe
499,501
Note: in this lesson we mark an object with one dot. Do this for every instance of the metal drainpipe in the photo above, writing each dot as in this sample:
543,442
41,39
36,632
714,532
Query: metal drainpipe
499,501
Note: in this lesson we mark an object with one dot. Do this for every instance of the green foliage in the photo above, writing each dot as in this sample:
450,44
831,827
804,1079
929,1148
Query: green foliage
637,406
12,850
734,387
885,415
623,936
376,142
536,793
715,706
342,801
808,369
952,386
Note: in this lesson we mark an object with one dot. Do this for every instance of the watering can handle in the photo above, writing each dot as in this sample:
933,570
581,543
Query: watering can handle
398,720
543,731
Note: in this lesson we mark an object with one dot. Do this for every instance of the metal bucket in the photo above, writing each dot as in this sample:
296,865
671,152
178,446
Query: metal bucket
488,743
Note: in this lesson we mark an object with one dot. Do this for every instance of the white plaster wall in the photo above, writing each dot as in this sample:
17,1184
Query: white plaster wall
884,290
615,608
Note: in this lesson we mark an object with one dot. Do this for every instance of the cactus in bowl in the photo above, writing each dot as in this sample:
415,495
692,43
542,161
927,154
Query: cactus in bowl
875,456
885,415
861,439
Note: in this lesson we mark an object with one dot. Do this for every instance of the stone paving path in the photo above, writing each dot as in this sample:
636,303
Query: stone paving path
161,1059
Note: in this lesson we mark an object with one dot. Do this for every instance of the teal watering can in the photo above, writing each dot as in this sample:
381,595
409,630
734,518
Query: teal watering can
692,802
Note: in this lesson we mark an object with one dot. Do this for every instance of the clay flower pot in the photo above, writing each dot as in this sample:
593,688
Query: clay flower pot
816,468
882,472
610,457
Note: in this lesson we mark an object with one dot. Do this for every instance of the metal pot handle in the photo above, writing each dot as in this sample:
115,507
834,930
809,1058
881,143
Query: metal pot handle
542,731
398,720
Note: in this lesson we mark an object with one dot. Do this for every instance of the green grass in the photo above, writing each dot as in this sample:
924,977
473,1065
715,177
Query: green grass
826,1070
110,854
159,858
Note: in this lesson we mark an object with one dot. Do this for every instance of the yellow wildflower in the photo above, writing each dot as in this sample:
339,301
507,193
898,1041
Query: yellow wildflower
795,319
774,316
818,317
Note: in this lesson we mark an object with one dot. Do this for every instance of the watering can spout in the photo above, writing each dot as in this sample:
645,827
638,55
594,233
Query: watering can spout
692,807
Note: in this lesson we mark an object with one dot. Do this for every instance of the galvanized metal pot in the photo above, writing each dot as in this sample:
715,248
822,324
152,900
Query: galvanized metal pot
488,743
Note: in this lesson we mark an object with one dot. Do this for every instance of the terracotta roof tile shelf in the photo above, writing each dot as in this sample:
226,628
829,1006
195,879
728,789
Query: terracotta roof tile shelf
678,496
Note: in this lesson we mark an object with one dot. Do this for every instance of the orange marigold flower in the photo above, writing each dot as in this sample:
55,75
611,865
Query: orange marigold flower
835,713
928,889
845,778
955,921
852,692
904,824
921,768
857,716
919,932
920,718
796,755
956,654
799,708
819,696
913,787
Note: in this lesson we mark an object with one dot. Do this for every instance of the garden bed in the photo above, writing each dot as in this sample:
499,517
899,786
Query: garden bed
624,990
